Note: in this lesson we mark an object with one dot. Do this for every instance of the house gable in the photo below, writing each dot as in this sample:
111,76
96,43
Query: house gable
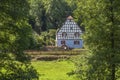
70,33
69,30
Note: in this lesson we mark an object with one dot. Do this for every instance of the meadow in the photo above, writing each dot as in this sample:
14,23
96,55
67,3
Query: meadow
55,65
54,70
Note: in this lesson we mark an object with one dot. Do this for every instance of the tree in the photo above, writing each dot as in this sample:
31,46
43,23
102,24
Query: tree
58,12
101,20
15,34
49,14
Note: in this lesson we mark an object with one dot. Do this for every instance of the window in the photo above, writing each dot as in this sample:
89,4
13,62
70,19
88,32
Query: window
64,34
63,42
71,28
77,34
76,42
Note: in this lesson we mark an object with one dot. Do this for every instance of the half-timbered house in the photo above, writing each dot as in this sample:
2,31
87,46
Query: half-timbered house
69,34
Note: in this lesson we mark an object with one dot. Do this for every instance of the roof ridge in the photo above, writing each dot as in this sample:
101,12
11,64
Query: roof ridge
69,17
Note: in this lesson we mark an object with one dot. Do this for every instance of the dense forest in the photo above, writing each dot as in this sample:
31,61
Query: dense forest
32,24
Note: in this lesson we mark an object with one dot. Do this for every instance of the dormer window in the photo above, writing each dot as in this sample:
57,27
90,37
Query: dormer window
64,34
77,34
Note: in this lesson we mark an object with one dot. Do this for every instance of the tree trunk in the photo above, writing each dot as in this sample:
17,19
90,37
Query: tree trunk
112,42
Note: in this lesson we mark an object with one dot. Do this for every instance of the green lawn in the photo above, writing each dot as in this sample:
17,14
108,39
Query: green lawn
54,70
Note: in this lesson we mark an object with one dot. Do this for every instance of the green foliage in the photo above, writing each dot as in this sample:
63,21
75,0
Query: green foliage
101,21
46,38
82,66
48,14
49,37
15,34
10,69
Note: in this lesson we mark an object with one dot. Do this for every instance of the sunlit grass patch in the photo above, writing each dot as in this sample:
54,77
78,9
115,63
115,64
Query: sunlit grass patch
54,70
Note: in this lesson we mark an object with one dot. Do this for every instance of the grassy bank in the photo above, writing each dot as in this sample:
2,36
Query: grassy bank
54,52
54,70
54,55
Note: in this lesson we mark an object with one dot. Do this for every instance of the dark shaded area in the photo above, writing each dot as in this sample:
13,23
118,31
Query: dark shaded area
51,58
